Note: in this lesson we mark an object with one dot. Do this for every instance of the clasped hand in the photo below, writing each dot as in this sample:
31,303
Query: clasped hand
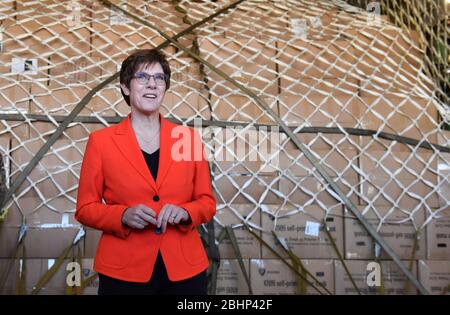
140,216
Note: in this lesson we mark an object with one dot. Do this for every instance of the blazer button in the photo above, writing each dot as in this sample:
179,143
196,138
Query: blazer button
155,198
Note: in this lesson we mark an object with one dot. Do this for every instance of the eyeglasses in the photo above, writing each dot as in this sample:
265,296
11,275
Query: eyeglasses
144,78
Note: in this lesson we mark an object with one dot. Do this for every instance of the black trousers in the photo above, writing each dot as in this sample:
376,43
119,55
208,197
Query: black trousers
158,284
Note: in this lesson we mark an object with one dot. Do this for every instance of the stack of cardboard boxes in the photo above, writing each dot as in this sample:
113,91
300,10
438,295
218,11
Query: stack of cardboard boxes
325,81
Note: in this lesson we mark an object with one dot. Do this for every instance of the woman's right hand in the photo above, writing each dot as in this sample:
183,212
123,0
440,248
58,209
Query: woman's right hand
138,217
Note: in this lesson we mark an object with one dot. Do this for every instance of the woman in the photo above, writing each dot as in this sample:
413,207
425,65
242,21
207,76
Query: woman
145,198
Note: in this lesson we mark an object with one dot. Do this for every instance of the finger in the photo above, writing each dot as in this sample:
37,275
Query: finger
138,223
138,226
137,219
165,218
172,217
142,222
149,211
161,216
177,218
146,217
171,213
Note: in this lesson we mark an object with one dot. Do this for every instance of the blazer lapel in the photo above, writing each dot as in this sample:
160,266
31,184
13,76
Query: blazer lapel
126,142
165,147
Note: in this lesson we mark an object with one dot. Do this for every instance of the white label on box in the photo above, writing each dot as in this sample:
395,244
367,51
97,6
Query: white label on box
377,250
65,220
299,28
316,22
1,40
50,263
312,228
28,66
237,74
118,17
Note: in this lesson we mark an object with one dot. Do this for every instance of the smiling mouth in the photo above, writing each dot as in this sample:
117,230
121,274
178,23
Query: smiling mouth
151,96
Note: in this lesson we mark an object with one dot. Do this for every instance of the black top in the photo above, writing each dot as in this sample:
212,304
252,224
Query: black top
152,161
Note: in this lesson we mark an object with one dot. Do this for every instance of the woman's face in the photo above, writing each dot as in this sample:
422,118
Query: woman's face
146,97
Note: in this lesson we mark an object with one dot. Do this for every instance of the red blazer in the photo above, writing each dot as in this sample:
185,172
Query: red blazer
115,170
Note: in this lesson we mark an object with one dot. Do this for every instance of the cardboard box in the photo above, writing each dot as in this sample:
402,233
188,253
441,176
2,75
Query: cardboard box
196,13
386,50
337,154
39,242
185,75
54,26
162,13
246,151
438,236
38,267
409,116
320,110
245,60
91,242
319,88
56,176
6,8
336,163
241,189
74,70
17,129
394,280
7,276
233,216
5,147
380,83
230,280
435,276
204,105
15,93
242,108
399,236
263,21
314,25
272,276
116,35
443,170
34,270
300,58
185,106
110,102
88,271
69,79
15,89
310,189
77,132
389,59
401,175
303,231
38,214
8,241
57,100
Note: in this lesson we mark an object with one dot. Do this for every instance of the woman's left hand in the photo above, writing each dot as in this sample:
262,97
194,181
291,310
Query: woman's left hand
171,214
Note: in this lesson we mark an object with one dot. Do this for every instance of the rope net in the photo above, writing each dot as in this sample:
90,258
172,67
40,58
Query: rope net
358,90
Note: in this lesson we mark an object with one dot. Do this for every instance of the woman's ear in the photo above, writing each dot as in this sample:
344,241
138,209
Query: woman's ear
125,90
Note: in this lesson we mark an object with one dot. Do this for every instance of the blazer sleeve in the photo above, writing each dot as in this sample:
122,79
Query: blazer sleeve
91,211
202,208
